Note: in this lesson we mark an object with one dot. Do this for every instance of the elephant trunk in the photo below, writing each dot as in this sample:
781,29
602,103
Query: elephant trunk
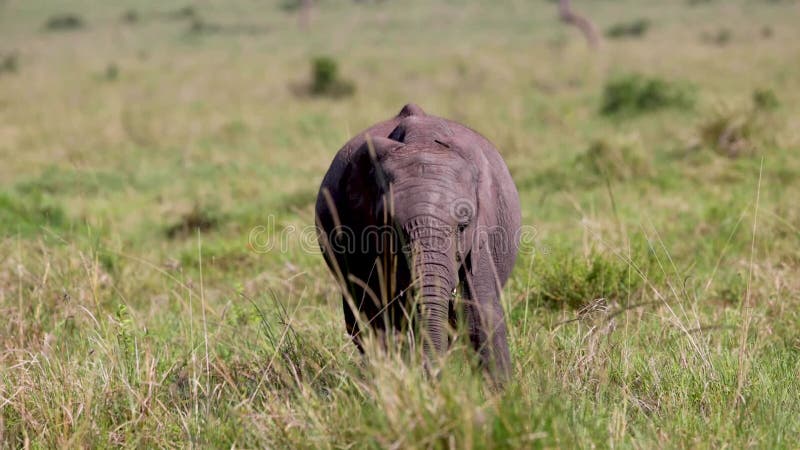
434,271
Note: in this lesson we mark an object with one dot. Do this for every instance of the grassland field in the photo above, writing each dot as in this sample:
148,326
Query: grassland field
657,304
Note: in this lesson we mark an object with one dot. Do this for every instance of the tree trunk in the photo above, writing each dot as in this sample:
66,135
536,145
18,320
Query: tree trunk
569,16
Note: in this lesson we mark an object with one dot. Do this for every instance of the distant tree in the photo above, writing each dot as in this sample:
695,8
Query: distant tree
569,16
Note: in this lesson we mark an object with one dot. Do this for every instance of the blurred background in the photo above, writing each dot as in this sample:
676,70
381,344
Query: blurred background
655,148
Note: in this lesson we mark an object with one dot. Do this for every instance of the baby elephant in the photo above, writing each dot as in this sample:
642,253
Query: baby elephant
411,209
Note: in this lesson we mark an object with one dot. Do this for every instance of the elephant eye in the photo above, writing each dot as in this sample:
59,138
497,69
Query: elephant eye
462,211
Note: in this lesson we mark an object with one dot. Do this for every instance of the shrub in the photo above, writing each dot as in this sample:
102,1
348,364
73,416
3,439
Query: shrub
765,99
720,37
735,132
9,63
636,28
325,78
200,26
64,22
730,132
727,134
636,94
619,159
291,6
186,12
112,72
325,72
130,16
198,219
566,279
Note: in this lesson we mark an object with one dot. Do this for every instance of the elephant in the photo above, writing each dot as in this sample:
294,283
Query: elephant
410,210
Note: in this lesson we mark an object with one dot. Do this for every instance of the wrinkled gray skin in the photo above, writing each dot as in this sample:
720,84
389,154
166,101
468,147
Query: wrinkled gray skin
451,205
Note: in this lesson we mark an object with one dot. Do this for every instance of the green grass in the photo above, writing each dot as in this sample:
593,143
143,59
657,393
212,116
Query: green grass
657,305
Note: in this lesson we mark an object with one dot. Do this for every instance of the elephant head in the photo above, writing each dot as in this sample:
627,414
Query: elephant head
426,186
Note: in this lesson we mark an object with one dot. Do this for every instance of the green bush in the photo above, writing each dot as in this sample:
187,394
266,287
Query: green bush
620,159
719,37
765,99
325,78
564,278
112,72
199,219
199,25
186,12
742,131
9,63
291,6
325,72
636,94
738,132
64,22
636,28
130,16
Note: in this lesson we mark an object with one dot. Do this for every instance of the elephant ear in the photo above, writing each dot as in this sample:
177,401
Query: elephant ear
365,179
488,203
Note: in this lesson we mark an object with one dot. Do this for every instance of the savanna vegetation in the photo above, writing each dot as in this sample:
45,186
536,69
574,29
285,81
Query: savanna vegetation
159,161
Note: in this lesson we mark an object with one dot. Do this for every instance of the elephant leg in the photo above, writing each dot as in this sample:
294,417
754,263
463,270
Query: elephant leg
356,304
351,324
485,319
365,310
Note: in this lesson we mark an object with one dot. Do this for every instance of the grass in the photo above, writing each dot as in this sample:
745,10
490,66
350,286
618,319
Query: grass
656,304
